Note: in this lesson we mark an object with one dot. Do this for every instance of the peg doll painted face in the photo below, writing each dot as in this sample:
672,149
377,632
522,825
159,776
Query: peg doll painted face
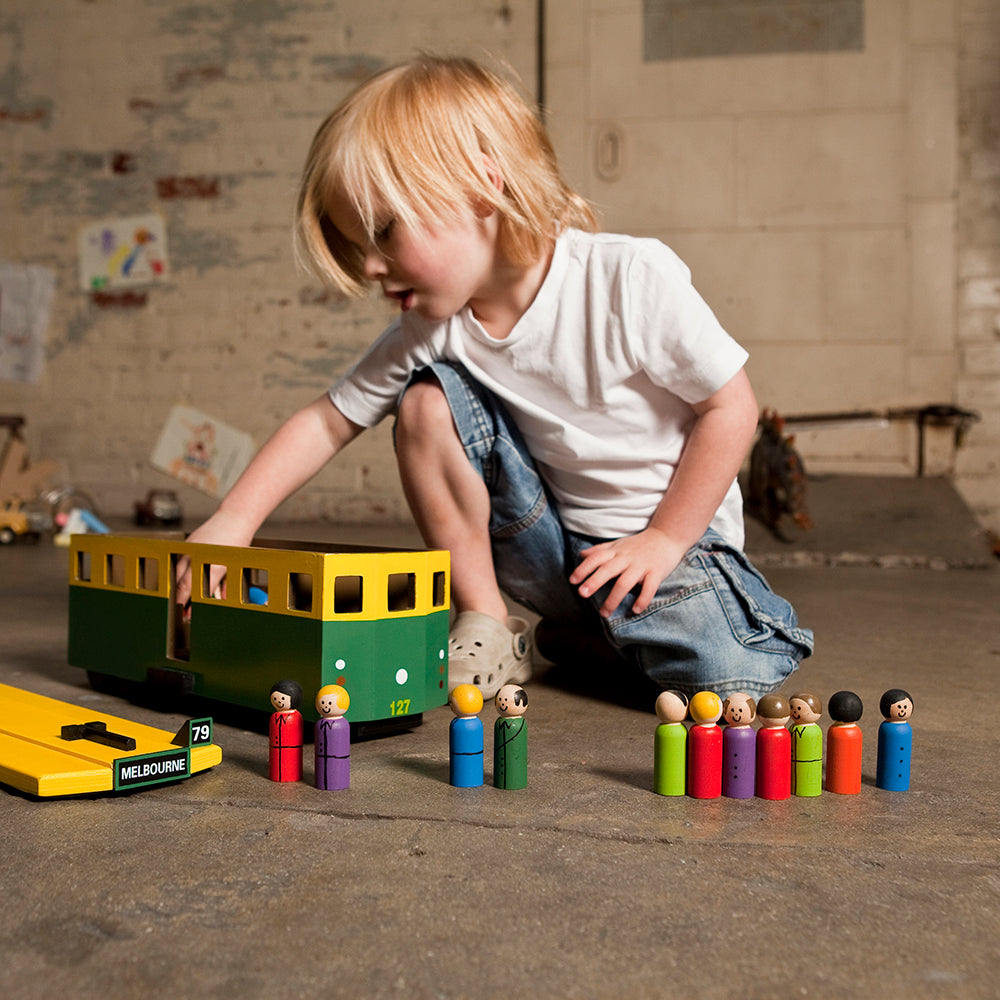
332,701
511,701
739,710
286,695
896,706
805,709
280,701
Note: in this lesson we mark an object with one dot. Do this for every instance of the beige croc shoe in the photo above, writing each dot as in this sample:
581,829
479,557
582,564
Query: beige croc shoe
484,652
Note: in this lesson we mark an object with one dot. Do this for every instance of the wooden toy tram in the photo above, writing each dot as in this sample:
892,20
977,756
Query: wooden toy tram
374,621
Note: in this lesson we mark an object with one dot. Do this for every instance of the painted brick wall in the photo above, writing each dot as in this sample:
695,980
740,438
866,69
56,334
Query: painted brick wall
839,211
201,112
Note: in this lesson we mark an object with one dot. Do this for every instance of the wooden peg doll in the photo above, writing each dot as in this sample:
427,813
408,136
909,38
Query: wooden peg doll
739,747
670,744
285,753
465,737
510,738
332,739
704,772
843,744
895,741
774,748
807,744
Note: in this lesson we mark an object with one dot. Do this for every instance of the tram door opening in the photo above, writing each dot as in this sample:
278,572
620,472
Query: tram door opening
178,617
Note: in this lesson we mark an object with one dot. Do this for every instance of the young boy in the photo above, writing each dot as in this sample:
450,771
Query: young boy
571,416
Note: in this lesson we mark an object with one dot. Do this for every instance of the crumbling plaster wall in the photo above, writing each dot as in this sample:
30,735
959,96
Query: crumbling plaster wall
201,112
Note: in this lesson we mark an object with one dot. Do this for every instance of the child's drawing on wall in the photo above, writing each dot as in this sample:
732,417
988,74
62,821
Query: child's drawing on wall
117,253
202,452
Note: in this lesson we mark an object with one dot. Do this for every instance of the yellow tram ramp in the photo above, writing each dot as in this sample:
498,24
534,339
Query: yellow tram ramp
44,749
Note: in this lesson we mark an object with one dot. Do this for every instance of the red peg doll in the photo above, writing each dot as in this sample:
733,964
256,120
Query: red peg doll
285,755
774,748
704,775
843,744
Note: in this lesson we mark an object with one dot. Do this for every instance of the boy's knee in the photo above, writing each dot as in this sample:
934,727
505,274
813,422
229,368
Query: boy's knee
424,408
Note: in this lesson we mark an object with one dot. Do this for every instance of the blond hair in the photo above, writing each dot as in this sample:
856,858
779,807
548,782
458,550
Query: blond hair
417,143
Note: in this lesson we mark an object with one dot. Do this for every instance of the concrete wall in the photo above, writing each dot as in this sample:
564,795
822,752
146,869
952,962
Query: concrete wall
839,210
816,197
978,328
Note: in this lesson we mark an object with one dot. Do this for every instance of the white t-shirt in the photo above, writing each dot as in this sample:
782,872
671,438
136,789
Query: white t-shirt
599,374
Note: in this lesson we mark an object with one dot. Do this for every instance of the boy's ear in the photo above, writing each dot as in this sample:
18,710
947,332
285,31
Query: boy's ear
482,207
493,172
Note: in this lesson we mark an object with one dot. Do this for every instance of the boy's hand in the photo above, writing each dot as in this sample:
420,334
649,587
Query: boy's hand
644,560
217,530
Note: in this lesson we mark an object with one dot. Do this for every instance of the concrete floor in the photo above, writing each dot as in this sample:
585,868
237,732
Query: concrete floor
584,885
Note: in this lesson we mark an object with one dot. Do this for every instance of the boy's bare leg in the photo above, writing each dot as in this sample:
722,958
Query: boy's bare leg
449,500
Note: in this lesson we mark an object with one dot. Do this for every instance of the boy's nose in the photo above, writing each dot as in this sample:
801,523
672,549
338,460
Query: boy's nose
374,266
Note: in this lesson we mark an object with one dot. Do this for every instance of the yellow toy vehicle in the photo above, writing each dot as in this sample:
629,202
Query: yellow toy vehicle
19,518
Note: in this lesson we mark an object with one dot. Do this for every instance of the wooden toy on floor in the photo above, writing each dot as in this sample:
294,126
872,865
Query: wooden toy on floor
704,771
332,739
510,738
285,751
50,747
465,737
895,741
807,744
670,744
843,744
739,747
374,621
774,749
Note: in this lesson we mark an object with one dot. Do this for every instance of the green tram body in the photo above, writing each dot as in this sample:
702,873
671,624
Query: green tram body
374,621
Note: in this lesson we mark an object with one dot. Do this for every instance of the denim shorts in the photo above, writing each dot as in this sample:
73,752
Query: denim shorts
714,624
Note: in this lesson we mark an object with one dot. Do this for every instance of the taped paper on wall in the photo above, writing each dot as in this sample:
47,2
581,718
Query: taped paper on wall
201,451
25,304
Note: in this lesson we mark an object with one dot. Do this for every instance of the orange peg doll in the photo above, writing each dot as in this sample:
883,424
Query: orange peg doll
843,744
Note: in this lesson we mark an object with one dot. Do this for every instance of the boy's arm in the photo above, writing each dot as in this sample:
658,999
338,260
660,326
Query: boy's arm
289,459
712,457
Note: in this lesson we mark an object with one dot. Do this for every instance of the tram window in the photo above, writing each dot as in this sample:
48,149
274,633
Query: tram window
148,577
347,595
437,597
83,567
300,592
254,586
114,570
402,592
207,572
